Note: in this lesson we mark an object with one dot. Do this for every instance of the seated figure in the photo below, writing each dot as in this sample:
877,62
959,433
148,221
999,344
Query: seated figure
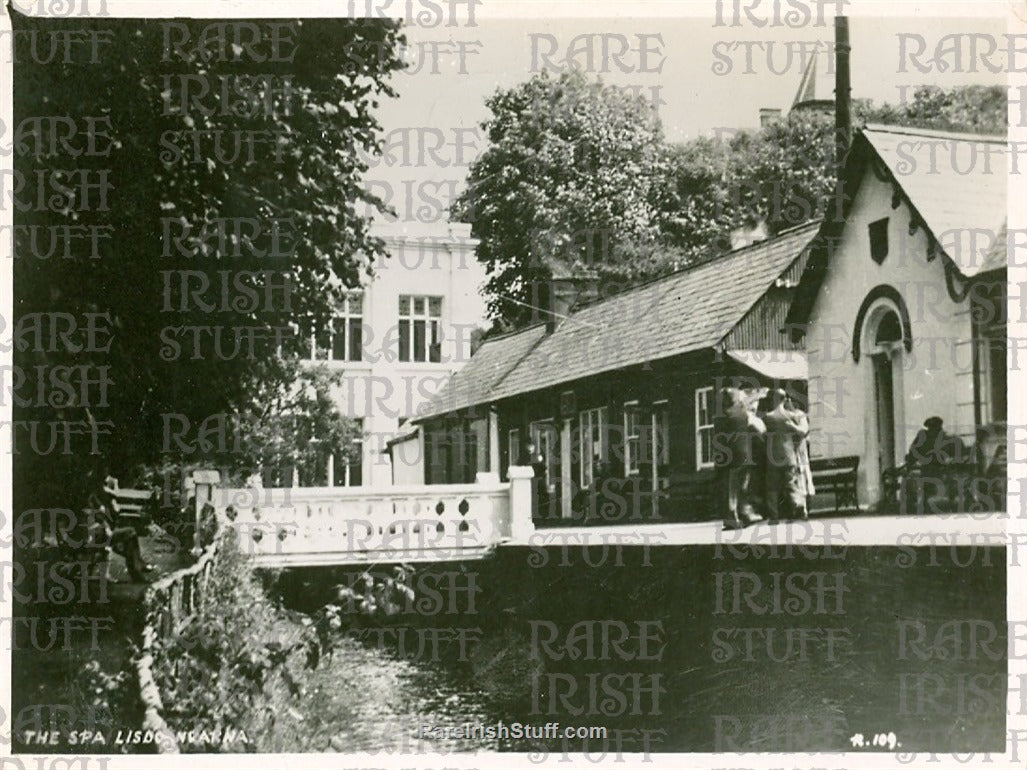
932,462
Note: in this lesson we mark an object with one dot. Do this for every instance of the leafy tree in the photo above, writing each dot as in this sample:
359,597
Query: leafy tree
578,180
284,132
975,109
783,175
572,174
778,176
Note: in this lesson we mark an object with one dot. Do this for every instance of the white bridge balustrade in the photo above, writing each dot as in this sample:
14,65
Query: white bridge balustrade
300,526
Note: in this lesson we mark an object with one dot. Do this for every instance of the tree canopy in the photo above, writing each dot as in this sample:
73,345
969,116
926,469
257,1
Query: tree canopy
578,179
782,175
573,170
218,167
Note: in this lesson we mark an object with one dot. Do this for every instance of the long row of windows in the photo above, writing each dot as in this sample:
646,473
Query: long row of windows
639,444
419,326
339,469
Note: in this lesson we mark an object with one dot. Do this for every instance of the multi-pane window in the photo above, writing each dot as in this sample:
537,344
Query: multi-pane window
547,443
465,455
348,467
704,428
513,447
632,437
420,328
593,444
317,473
990,359
660,431
343,341
452,454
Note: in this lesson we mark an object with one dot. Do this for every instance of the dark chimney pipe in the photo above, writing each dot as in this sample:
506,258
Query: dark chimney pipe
842,92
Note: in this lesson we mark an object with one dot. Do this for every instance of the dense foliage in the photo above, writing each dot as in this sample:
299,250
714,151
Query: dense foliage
780,176
239,163
572,173
240,664
578,180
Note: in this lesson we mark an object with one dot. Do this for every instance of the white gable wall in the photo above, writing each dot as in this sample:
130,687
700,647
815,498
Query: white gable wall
936,378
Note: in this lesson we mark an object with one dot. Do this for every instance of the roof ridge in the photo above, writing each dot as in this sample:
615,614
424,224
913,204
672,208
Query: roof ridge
511,333
813,223
890,128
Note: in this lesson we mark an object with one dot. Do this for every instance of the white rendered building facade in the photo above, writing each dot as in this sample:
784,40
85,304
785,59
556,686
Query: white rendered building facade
397,341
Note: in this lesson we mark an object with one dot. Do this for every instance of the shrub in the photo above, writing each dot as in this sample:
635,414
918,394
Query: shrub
221,669
241,658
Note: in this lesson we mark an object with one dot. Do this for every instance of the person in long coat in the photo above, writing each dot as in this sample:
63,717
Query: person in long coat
737,439
788,477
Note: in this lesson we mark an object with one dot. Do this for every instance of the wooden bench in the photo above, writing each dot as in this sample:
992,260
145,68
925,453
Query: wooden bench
128,507
691,497
837,475
130,517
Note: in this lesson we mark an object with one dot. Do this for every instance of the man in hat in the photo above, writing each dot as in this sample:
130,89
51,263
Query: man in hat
929,460
786,480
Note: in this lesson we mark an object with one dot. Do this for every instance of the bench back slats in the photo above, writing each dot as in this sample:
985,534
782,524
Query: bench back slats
849,463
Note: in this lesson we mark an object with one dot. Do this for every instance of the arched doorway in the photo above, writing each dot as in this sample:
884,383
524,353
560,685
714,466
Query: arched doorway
883,342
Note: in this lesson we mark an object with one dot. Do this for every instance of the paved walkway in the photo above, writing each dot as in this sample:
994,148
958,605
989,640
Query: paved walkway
859,529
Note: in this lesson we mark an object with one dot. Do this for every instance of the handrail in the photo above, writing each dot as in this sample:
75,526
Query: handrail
400,490
159,613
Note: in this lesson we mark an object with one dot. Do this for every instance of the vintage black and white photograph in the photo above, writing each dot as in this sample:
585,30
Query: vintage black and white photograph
463,383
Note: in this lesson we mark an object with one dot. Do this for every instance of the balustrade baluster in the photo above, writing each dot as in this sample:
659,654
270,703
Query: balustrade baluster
321,521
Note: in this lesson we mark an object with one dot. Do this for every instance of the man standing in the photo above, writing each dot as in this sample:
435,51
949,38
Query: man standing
737,433
786,479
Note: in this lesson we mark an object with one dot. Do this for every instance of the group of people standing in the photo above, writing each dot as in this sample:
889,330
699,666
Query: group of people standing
762,458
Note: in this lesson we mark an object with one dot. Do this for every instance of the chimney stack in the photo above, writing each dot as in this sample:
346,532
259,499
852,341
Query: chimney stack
769,116
563,293
842,93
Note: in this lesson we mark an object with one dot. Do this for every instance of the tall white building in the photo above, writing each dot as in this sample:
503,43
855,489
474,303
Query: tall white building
398,341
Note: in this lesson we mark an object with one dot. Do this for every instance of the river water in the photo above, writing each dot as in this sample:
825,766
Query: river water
678,649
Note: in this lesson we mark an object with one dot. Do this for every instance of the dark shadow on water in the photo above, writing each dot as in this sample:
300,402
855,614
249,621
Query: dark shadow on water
698,648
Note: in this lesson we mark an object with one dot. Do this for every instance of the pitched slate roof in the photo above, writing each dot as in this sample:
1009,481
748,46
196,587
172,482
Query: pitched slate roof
691,309
956,182
472,384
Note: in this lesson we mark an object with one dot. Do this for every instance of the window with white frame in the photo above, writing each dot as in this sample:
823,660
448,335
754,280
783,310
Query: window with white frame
704,428
660,441
547,443
513,447
347,468
343,340
592,447
990,368
420,328
632,437
316,474
996,378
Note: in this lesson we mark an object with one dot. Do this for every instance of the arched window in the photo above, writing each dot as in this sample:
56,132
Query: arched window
883,314
889,328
